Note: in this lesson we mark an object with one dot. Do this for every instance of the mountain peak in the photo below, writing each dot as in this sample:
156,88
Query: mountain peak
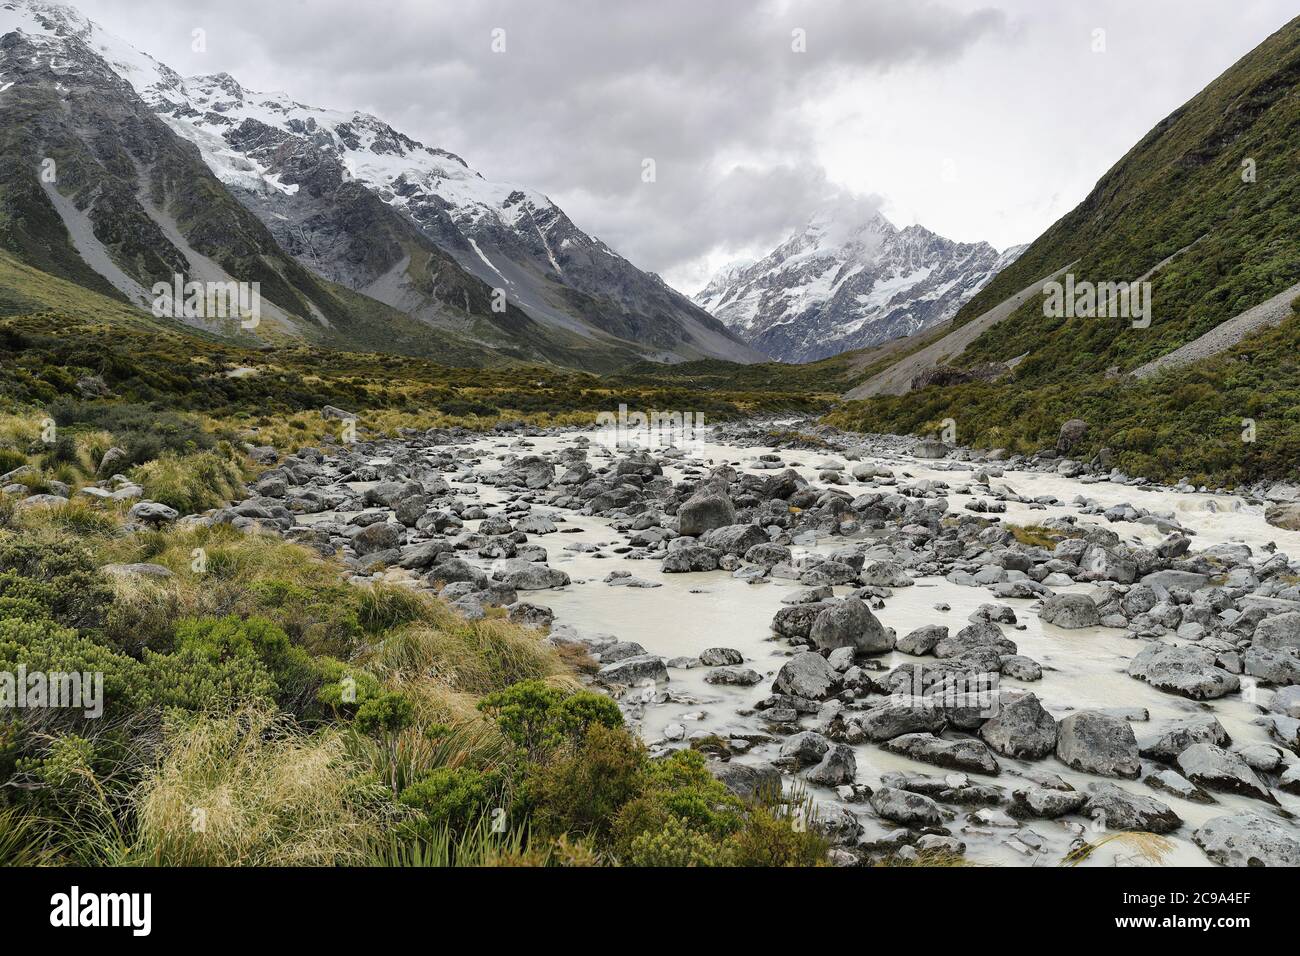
849,279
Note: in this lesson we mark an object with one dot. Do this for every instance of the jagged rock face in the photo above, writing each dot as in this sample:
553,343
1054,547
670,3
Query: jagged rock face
274,153
840,285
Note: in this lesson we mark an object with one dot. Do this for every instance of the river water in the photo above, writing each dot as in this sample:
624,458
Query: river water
1082,669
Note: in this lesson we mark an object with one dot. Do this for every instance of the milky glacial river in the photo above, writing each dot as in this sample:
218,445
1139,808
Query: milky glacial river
1082,669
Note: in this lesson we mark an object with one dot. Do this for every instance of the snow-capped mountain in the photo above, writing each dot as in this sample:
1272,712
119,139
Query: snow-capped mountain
849,279
361,204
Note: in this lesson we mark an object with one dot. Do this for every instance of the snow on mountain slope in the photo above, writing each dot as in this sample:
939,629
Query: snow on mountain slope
266,147
849,279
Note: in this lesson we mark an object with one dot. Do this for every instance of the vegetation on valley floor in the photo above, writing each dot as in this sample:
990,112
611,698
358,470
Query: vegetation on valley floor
265,711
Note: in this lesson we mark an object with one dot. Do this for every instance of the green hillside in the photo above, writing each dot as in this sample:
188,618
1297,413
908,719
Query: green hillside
1183,189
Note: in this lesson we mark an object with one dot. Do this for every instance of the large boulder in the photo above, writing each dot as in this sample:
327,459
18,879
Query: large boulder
903,806
981,636
632,671
931,448
707,509
734,539
923,640
1045,803
1189,671
806,747
1285,516
1098,743
373,538
691,557
1071,434
528,575
747,781
151,513
1070,611
806,675
1022,728
112,462
1214,768
425,554
838,767
896,717
1281,668
1178,735
850,623
1117,809
1278,632
1106,564
1247,840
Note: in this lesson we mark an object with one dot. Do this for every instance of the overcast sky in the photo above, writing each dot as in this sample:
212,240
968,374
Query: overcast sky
980,119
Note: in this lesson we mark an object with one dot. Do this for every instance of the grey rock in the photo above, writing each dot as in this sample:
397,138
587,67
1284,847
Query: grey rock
381,536
1070,611
961,754
1178,735
721,657
1022,728
923,640
632,671
1247,840
838,766
736,676
1189,671
1278,632
528,575
707,509
806,675
893,718
909,809
1097,743
1221,770
850,623
1118,809
747,781
1176,785
806,747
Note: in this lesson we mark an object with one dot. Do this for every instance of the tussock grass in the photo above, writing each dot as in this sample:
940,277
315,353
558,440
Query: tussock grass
192,483
22,839
78,518
1150,847
1035,536
476,657
265,793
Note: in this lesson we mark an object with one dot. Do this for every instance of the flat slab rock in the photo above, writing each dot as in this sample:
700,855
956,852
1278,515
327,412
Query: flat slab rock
1247,840
1118,809
1214,768
963,754
1189,671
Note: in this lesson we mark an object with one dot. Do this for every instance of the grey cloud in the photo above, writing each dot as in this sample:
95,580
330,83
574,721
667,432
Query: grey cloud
585,91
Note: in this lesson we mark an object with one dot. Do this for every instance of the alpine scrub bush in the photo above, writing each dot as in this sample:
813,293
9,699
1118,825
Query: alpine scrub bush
59,574
452,799
537,716
580,791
